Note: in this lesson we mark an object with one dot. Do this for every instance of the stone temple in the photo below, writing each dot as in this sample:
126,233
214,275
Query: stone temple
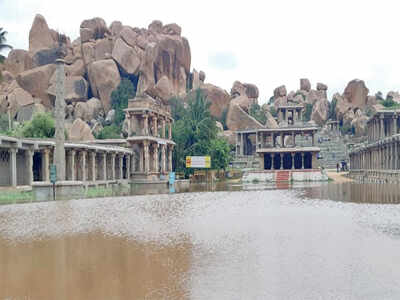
284,153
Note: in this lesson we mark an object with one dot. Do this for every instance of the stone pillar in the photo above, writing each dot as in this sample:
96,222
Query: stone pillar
382,134
170,130
104,161
59,112
146,157
83,165
121,166
46,165
257,146
282,140
93,165
170,158
241,144
72,164
145,125
113,155
282,160
293,154
273,159
141,159
237,149
29,166
163,159
128,167
312,138
396,155
155,157
393,125
13,166
163,128
302,160
294,139
155,126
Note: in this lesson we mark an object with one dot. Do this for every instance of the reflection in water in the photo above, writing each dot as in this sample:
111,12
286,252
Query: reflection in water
242,243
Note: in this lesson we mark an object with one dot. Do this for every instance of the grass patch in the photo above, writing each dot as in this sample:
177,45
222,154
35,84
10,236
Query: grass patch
96,192
11,197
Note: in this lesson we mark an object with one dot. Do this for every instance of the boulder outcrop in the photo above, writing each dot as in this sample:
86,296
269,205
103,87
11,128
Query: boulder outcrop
305,84
40,35
80,131
356,93
238,119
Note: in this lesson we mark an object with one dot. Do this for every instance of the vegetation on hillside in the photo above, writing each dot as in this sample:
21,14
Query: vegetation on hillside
109,132
195,133
119,99
3,45
332,109
257,113
42,125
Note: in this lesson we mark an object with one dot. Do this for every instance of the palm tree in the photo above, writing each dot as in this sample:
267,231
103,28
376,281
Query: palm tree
3,44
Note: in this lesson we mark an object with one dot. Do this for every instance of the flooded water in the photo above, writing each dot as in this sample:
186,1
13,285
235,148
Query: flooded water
329,241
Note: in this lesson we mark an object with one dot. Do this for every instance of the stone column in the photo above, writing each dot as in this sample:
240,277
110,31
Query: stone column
113,155
294,139
145,125
170,130
146,157
121,166
273,159
93,165
393,125
257,140
282,161
83,165
302,160
312,138
382,135
293,154
128,118
13,166
282,140
128,167
72,164
29,166
141,159
46,165
170,158
241,144
163,128
155,157
59,112
163,159
155,126
104,161
396,154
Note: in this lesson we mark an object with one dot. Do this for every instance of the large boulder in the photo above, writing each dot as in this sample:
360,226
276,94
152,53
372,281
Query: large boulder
129,35
218,97
244,102
89,110
163,90
103,48
126,57
80,131
25,113
238,119
18,98
95,28
280,91
271,122
320,112
18,61
395,96
360,125
342,106
356,93
36,82
104,78
40,35
244,89
305,84
77,68
76,88
116,27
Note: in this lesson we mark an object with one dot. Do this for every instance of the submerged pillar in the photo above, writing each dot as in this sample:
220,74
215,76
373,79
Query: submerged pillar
13,166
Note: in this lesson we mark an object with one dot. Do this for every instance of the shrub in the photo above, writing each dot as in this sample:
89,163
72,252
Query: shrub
109,132
119,99
389,102
3,123
42,125
257,113
332,109
273,111
177,108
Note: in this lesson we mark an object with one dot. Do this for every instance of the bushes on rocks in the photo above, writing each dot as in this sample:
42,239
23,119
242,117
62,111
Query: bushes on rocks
257,113
119,99
389,102
42,125
109,132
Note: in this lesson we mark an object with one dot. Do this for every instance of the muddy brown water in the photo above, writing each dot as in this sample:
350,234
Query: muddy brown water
319,241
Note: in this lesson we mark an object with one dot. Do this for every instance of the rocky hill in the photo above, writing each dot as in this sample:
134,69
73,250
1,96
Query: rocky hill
157,60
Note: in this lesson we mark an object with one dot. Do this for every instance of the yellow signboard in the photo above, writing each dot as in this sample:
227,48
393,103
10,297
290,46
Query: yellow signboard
198,162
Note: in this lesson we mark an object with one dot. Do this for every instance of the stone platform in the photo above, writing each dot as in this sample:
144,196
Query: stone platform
289,175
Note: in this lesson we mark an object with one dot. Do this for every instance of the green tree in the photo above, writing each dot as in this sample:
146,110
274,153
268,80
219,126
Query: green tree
109,132
307,112
119,99
196,134
332,109
42,125
257,113
177,108
3,45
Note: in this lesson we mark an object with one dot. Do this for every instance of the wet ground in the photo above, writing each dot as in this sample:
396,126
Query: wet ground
319,241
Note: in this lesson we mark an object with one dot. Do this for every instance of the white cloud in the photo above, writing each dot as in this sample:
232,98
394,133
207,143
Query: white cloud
268,43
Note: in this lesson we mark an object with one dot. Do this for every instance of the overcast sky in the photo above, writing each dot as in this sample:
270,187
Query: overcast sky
268,43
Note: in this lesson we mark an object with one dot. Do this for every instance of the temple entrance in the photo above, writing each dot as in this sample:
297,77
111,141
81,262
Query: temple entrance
267,161
277,161
298,161
37,166
287,161
307,160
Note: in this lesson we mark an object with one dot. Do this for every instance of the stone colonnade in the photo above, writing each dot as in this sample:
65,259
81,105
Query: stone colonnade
269,139
382,155
284,113
154,157
149,124
383,124
289,160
